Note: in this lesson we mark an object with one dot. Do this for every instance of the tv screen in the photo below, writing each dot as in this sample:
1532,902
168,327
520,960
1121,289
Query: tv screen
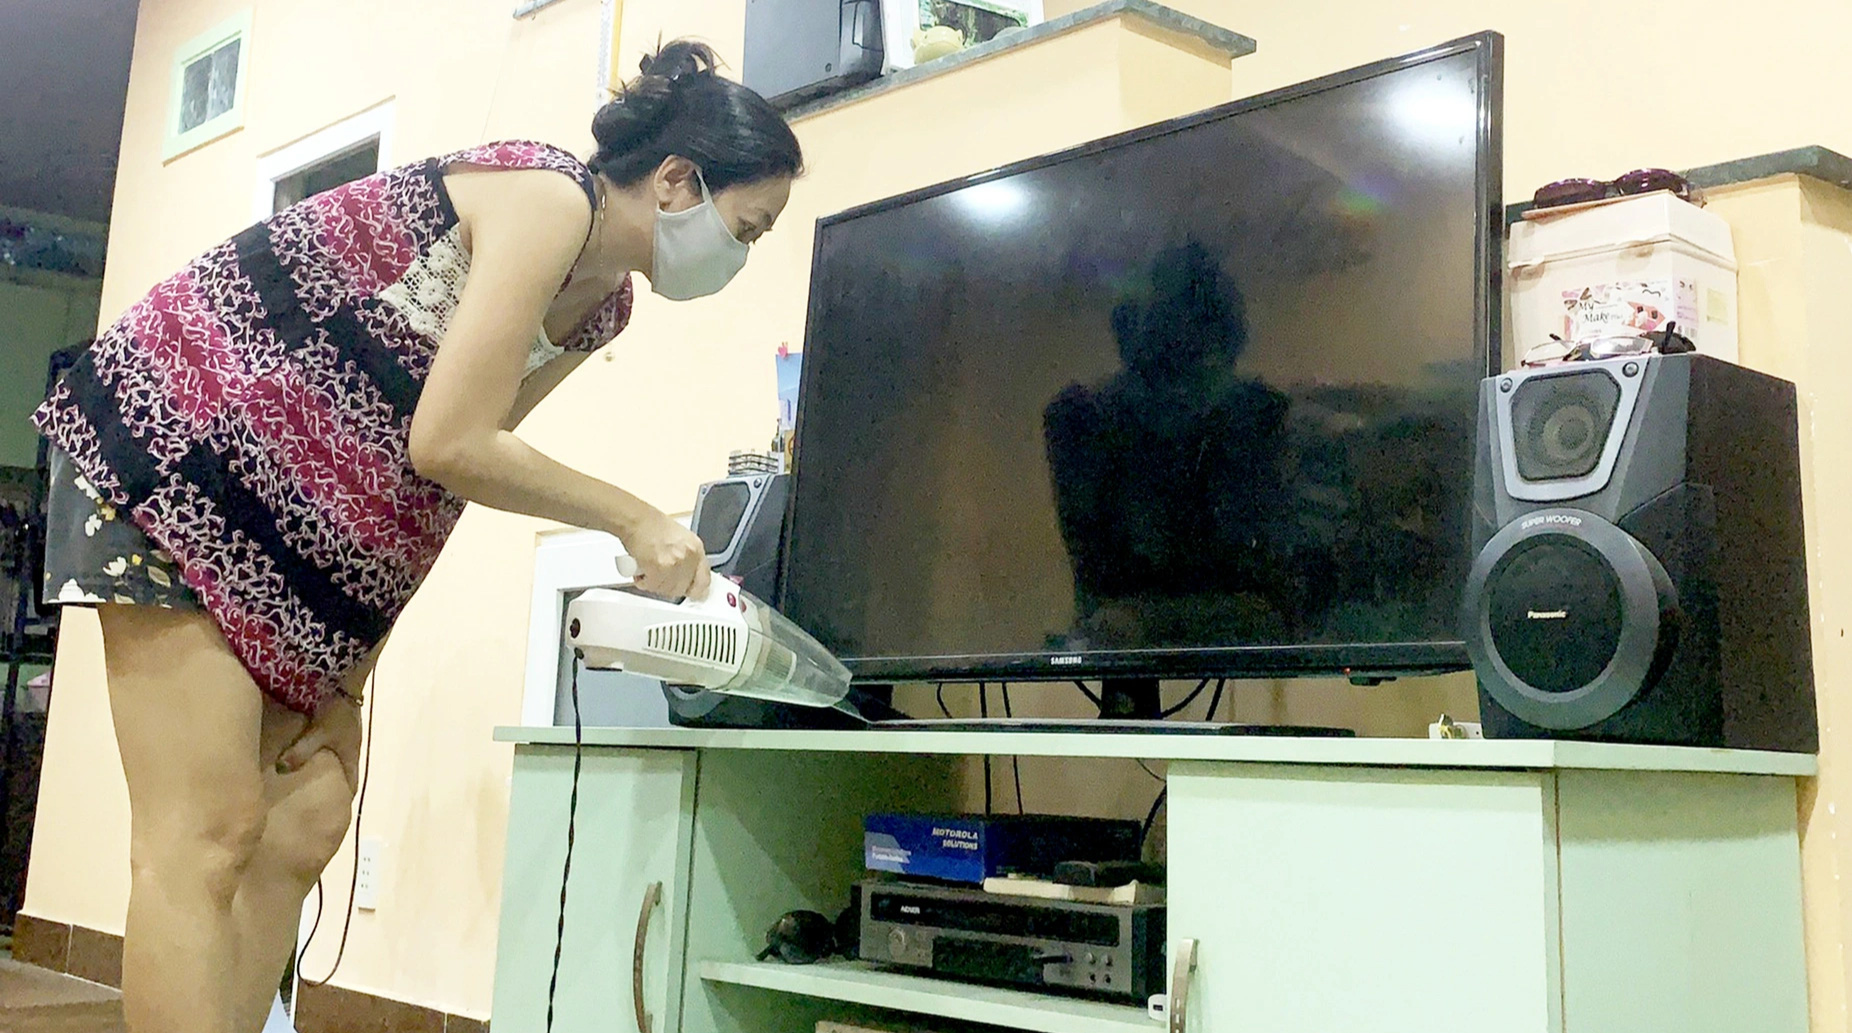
1194,400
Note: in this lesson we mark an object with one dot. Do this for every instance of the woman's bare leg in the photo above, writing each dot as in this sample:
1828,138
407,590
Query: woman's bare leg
309,808
189,720
224,843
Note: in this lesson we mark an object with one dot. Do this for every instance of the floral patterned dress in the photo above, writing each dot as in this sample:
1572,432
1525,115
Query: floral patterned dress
251,417
95,556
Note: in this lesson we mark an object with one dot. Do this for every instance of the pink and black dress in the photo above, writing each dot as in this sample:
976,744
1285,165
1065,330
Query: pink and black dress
246,425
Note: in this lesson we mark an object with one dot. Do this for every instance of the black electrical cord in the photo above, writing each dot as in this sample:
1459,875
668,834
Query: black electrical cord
1148,771
1015,761
572,816
1144,832
353,885
943,709
1082,686
1187,700
983,710
1216,700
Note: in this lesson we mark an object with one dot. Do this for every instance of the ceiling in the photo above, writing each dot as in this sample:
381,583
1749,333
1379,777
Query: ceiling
64,71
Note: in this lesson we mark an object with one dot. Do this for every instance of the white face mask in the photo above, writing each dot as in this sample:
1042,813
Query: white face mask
696,254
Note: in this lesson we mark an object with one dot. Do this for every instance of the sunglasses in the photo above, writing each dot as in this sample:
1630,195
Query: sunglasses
1667,341
1639,181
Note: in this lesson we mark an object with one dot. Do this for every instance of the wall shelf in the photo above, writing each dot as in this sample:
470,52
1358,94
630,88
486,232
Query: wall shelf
857,983
1185,29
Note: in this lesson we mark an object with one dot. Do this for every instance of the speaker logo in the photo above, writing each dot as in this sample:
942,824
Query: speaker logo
1547,615
1552,518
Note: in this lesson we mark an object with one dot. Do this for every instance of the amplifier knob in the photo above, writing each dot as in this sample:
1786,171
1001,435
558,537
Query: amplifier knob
897,944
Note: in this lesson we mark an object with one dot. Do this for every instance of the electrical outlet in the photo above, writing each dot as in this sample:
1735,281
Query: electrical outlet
366,877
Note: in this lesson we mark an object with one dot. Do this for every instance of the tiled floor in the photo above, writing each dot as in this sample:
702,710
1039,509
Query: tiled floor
33,1000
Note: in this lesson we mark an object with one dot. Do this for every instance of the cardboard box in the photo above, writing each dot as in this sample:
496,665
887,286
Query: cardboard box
1625,267
970,848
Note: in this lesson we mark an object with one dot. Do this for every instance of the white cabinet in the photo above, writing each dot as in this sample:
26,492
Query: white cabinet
1398,900
626,897
1362,886
1366,899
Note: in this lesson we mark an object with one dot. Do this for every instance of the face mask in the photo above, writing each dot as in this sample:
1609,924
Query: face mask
696,254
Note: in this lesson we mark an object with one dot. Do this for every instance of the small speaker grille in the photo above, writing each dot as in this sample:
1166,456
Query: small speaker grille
1556,612
718,516
1561,423
697,640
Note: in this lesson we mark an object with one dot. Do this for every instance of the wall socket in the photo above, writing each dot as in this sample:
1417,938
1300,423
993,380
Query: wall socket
369,863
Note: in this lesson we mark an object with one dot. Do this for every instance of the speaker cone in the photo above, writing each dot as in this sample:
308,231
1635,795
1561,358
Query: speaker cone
1556,612
1570,616
1561,423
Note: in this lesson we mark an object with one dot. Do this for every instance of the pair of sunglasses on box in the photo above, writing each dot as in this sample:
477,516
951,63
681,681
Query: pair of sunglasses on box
1640,181
1666,341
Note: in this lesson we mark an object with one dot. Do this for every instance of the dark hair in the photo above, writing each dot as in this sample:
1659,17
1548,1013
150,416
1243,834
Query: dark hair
681,106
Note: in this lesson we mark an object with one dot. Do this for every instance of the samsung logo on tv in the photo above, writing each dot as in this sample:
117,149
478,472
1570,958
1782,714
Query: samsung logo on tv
1553,518
1065,661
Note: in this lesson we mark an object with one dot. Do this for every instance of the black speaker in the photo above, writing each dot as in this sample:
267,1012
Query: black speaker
740,521
1640,571
800,50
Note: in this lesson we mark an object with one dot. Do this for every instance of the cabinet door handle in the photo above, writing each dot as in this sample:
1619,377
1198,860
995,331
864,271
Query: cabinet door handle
651,897
1182,970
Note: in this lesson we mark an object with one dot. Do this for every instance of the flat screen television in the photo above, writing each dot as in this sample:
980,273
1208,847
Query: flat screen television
1193,400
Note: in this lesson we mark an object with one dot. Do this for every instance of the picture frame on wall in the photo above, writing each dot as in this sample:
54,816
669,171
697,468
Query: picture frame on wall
977,21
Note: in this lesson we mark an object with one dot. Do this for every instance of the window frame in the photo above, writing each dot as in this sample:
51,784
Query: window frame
373,125
177,142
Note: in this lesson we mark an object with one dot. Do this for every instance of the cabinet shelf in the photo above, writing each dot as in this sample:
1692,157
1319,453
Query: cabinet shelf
857,983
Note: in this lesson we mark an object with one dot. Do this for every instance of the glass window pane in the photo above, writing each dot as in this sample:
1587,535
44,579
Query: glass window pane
224,83
358,163
209,86
193,93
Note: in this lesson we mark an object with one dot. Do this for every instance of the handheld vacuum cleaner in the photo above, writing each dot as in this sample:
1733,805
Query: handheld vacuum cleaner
729,643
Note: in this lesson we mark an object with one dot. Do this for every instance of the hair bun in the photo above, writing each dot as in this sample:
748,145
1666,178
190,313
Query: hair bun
681,106
637,113
683,57
645,106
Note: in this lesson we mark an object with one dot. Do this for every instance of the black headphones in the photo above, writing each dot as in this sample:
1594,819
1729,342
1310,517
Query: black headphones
806,937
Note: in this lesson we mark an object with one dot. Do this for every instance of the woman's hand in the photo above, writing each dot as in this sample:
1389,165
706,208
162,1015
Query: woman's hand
335,728
671,561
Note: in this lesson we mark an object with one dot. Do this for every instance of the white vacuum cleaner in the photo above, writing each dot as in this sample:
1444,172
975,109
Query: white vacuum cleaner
728,642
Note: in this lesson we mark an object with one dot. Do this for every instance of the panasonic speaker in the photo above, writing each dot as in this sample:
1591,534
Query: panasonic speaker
1640,571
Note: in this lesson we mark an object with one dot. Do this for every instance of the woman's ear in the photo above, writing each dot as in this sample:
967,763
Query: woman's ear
674,184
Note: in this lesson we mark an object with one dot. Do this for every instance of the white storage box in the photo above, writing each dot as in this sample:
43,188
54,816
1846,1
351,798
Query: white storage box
1628,266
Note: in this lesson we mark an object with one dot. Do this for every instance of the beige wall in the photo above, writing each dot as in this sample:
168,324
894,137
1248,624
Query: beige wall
1794,249
459,73
1591,89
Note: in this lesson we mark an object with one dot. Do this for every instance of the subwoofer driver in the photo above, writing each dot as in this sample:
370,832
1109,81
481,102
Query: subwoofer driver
1576,618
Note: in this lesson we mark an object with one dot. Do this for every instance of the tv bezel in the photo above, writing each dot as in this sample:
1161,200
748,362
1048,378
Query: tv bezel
1362,661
